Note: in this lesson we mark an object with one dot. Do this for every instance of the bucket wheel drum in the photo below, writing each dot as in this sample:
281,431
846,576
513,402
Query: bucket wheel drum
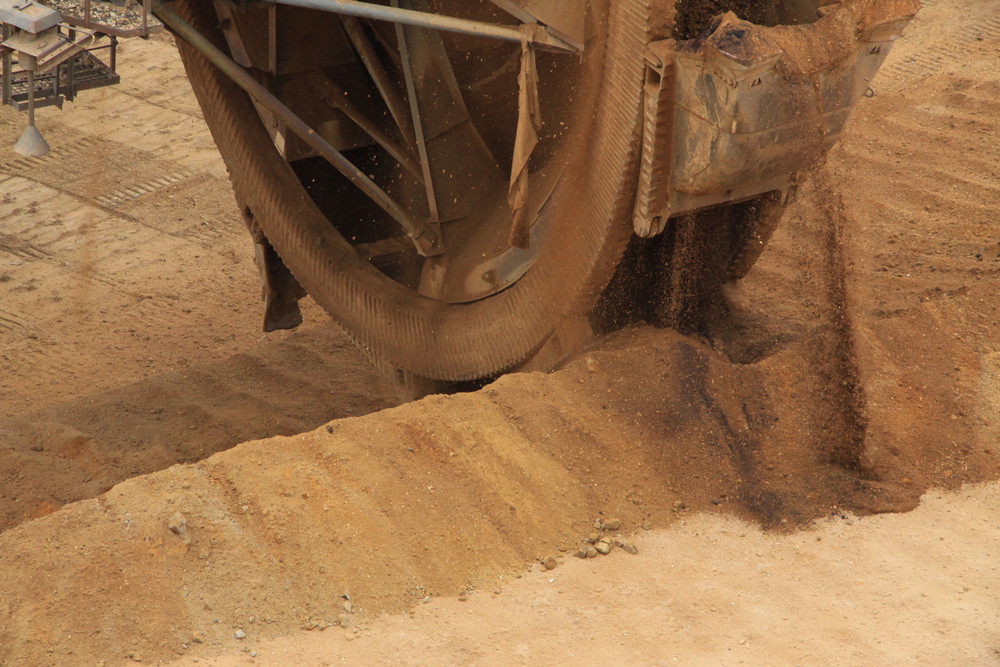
454,180
514,165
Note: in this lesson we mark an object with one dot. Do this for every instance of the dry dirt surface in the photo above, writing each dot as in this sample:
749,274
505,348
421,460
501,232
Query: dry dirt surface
857,370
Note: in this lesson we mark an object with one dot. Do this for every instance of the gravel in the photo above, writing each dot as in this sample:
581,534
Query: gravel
124,19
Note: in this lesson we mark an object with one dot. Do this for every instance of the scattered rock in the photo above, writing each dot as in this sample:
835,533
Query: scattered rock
348,607
581,552
612,524
629,548
593,538
591,551
549,563
603,547
239,634
178,526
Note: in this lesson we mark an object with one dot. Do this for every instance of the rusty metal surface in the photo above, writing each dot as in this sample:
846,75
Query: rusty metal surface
657,141
753,106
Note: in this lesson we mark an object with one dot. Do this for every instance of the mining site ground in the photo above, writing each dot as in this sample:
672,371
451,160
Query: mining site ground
813,482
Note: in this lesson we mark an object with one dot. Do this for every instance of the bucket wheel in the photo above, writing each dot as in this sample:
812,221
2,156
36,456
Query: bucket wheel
437,121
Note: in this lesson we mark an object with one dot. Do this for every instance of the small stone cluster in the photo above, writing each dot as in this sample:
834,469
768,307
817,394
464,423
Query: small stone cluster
600,543
125,15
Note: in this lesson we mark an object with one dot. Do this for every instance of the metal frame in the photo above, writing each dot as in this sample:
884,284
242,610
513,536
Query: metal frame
530,33
424,233
404,108
426,241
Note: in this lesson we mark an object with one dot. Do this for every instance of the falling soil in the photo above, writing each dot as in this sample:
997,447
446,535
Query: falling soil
855,368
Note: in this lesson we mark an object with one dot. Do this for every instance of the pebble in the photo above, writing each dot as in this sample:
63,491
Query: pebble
178,526
125,18
549,563
348,607
629,548
603,547
239,634
612,524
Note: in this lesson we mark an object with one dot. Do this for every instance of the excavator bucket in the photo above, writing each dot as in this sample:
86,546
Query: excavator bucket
743,108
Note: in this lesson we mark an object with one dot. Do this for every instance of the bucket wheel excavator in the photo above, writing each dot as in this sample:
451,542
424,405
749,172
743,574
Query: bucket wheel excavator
456,181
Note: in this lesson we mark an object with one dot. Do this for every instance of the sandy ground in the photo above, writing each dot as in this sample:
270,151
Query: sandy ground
859,371
917,588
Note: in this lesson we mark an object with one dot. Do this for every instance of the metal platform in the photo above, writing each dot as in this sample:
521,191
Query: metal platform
83,72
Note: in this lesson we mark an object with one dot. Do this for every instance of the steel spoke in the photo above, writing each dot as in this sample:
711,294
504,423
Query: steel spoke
383,82
534,34
425,240
337,97
418,128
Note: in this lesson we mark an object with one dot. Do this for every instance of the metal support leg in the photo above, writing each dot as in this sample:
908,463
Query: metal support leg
31,143
8,63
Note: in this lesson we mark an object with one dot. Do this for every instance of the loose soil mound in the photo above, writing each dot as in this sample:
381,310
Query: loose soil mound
280,530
